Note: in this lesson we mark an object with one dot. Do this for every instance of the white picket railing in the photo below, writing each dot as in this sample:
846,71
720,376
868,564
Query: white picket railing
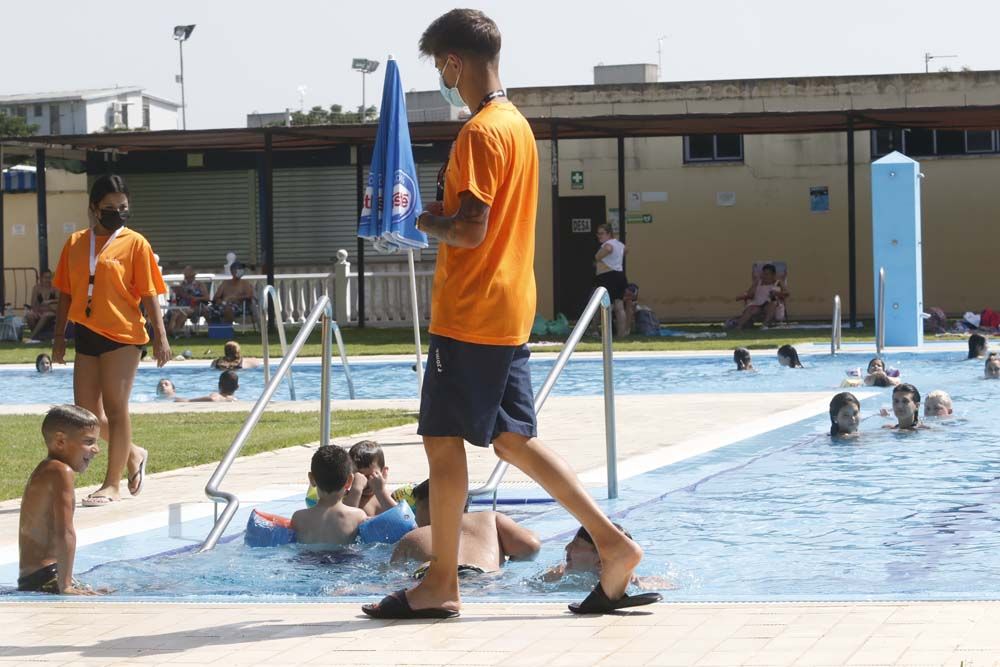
387,292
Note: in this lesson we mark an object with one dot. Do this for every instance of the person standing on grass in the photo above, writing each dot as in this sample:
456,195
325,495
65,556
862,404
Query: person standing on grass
477,386
105,272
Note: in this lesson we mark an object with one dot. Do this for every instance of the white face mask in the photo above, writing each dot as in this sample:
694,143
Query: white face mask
451,95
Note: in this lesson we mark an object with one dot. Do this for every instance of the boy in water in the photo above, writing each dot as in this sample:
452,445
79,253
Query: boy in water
46,537
330,521
992,370
229,382
371,492
581,557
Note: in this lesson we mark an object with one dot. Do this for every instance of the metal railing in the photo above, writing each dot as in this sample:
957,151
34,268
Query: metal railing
600,300
880,322
323,310
835,326
264,315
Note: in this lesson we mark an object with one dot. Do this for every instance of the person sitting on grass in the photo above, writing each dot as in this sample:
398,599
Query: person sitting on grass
581,557
763,299
229,382
845,411
330,521
46,536
977,346
488,539
906,408
938,404
789,356
371,492
741,356
992,369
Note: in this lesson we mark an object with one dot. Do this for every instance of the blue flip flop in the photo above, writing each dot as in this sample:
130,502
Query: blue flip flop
599,603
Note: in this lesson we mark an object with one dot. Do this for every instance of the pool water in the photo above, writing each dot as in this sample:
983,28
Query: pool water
633,375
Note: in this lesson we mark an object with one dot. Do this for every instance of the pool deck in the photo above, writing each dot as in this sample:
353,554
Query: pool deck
652,431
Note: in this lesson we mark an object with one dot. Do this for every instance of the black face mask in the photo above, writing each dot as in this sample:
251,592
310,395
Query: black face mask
112,220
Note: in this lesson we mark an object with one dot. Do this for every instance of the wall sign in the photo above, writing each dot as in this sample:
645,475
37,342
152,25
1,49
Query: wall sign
17,230
725,199
819,199
576,180
580,225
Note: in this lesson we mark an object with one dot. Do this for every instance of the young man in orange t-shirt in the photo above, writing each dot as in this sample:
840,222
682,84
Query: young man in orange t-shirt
478,386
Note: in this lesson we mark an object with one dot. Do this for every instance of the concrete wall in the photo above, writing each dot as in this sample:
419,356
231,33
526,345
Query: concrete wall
161,116
696,256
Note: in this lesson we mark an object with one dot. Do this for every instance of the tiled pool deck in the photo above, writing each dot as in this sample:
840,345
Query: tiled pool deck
82,632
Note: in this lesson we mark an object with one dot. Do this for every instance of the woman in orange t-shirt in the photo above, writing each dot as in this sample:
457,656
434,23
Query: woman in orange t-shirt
104,274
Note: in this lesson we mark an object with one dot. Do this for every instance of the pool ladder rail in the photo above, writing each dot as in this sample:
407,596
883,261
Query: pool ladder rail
321,314
880,322
600,300
835,326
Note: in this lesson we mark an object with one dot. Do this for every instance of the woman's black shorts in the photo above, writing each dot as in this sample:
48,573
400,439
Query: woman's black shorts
94,344
614,282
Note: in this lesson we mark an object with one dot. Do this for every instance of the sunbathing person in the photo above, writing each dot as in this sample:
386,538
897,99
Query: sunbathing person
487,540
229,382
763,299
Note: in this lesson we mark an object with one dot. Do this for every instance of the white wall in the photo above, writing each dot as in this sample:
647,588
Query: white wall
96,114
163,117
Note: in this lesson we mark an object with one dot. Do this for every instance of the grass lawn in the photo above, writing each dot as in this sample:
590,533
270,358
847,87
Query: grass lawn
182,439
370,341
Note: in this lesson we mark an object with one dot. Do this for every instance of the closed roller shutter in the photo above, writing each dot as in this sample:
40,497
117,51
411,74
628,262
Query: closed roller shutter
427,173
315,214
196,217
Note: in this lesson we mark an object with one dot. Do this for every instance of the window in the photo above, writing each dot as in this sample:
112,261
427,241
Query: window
55,121
713,148
21,111
38,111
145,115
917,142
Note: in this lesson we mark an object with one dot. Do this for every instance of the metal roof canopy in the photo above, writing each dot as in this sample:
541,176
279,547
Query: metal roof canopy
588,127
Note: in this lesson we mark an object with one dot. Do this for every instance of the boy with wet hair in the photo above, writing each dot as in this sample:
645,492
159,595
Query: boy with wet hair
229,382
331,521
371,492
46,537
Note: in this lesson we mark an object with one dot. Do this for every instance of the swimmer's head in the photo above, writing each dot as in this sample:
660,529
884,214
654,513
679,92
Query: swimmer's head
938,404
581,554
43,363
876,364
165,387
992,370
845,411
229,382
422,503
789,356
906,404
232,351
977,346
741,356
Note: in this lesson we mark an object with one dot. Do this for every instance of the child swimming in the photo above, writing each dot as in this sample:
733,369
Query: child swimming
741,356
977,346
789,356
992,370
938,404
906,407
845,410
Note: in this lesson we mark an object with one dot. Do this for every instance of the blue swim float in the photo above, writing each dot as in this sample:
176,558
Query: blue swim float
268,530
389,526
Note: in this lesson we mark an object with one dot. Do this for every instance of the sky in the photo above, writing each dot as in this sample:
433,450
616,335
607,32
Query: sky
248,55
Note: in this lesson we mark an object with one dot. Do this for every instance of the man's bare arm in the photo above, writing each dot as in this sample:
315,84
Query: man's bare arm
465,229
517,542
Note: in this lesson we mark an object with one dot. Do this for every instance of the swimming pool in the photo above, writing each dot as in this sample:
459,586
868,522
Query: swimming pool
788,515
583,376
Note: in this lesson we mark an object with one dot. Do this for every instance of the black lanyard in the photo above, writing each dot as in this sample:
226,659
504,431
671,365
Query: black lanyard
489,98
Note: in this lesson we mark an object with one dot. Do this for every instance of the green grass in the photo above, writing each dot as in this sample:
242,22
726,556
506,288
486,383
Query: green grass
370,341
182,439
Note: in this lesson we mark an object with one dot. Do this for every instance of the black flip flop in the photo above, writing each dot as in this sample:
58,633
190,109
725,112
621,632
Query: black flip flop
396,606
599,603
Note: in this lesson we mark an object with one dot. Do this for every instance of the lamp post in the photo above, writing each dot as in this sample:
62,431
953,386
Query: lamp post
366,67
928,57
181,34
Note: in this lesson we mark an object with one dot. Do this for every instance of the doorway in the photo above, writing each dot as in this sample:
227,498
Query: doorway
577,244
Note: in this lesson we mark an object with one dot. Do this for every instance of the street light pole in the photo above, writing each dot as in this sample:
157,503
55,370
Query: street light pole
181,34
928,58
366,67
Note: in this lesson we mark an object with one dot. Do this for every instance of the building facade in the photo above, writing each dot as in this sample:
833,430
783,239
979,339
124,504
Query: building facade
93,110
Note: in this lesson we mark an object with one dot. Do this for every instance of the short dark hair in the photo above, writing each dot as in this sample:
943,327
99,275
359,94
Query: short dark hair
769,267
66,418
741,356
422,494
331,468
465,31
585,536
367,453
906,388
229,382
104,186
977,345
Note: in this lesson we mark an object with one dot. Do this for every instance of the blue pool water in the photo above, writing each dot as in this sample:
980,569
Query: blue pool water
633,375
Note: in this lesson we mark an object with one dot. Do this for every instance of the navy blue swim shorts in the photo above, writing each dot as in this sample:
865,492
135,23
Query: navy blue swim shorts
476,392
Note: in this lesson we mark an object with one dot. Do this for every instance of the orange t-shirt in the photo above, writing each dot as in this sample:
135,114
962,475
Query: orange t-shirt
126,272
486,295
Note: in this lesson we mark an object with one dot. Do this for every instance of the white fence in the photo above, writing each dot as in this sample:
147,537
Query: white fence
387,292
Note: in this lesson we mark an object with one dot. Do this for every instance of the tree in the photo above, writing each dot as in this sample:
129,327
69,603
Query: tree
15,126
335,115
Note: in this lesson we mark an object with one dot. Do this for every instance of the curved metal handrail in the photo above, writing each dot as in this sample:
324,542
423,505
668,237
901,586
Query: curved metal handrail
835,328
599,300
270,292
323,309
880,322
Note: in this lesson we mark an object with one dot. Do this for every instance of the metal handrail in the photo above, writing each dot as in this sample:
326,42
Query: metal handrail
835,328
880,322
269,290
600,300
324,310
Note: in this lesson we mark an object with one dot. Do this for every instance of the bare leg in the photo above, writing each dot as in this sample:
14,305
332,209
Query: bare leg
770,308
31,319
449,476
619,555
621,325
42,323
746,318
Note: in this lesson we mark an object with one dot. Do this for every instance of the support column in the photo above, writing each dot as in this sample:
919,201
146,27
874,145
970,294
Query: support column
3,285
43,216
267,221
621,192
555,216
359,185
852,248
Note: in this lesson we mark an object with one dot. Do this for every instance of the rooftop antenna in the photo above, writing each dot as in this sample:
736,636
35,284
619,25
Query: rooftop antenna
659,56
928,58
302,97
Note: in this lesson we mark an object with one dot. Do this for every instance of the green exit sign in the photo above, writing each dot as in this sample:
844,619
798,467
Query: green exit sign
576,180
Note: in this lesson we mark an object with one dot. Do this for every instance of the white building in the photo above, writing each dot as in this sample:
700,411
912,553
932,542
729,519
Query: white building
94,110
